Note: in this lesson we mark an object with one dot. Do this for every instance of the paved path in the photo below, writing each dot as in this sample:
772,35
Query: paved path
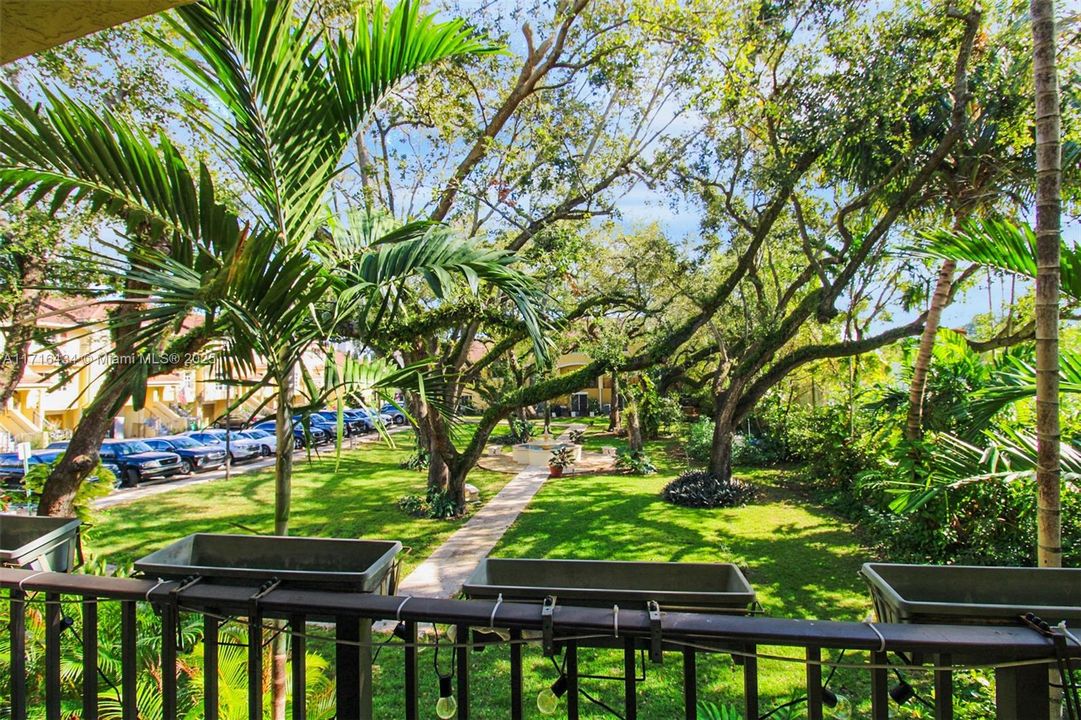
446,569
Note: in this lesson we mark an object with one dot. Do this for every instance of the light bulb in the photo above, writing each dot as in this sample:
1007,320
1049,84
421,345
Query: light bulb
547,702
446,707
452,633
548,699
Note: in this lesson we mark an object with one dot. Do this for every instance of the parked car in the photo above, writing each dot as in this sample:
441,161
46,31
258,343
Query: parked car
321,430
380,419
11,467
268,442
351,423
396,415
238,452
359,420
269,427
137,461
195,456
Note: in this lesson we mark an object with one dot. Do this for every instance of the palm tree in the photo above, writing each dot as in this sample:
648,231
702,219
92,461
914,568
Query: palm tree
286,103
1048,233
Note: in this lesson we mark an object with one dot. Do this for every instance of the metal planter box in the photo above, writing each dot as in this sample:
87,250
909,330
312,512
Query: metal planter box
686,587
38,543
961,594
312,563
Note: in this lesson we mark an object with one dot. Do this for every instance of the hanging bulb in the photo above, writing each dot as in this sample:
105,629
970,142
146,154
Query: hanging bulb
548,699
446,706
902,692
452,634
829,699
842,710
400,632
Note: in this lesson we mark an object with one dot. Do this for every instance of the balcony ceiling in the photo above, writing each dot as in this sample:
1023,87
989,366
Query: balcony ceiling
29,26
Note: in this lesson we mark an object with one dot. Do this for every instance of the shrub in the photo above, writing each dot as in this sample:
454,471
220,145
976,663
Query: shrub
701,489
437,505
747,450
575,436
521,430
700,439
561,457
419,460
636,462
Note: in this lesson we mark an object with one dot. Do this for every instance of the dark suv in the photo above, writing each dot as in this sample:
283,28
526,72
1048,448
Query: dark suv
137,461
194,455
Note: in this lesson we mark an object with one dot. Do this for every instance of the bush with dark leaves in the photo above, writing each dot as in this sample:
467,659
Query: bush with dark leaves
700,489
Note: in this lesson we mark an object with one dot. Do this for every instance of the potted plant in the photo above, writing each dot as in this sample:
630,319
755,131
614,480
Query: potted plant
561,457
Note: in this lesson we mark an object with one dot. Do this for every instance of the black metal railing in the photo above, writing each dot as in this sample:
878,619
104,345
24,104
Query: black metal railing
1022,657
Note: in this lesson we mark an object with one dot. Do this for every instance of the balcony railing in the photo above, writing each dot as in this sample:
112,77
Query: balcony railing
1022,657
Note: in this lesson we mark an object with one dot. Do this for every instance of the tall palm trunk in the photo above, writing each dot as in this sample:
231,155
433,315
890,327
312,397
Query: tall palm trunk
283,473
939,300
1048,217
615,420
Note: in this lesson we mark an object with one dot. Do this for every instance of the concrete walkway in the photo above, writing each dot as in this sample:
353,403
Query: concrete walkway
446,569
443,573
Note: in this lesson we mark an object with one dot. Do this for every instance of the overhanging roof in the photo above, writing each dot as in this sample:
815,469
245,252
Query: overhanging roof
29,26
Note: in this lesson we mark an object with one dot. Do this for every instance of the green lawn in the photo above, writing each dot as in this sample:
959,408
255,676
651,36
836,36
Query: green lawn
801,560
354,498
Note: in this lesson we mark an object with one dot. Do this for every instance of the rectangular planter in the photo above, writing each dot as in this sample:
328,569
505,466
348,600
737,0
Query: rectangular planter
38,543
961,594
688,587
299,562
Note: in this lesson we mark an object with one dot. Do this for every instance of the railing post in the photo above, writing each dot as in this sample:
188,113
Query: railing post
880,699
169,622
129,667
210,667
630,692
90,657
943,688
255,664
412,711
299,658
814,683
53,628
690,684
572,680
347,662
461,656
17,634
515,674
1022,692
750,681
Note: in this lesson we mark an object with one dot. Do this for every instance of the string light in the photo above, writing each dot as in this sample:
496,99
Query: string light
446,706
548,698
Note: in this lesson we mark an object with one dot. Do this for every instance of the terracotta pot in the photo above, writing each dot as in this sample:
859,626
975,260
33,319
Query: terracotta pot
554,471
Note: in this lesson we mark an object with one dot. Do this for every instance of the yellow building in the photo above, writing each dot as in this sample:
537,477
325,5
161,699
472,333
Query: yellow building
46,405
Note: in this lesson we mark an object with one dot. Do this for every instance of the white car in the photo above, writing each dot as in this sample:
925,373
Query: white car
268,443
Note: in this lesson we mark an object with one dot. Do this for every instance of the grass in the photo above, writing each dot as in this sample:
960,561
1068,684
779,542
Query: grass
801,560
354,498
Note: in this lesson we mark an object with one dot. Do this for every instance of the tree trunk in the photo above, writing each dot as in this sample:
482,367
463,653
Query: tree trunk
81,455
283,489
634,429
1048,218
724,427
939,300
615,420
23,325
283,458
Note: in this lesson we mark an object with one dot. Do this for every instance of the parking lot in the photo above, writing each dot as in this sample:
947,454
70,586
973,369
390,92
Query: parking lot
157,487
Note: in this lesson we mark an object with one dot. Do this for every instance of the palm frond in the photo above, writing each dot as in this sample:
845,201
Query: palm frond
1000,244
